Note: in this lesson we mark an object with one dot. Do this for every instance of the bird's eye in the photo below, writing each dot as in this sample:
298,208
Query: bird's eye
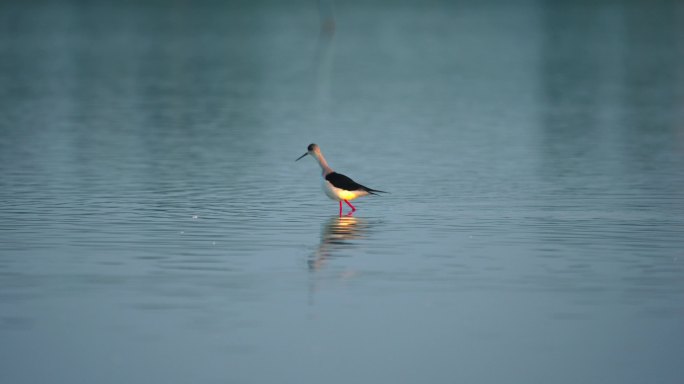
311,147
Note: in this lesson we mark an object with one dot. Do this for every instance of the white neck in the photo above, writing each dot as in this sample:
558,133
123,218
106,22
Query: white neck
324,164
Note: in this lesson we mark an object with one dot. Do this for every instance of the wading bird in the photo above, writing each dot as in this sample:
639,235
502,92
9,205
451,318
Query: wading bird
336,185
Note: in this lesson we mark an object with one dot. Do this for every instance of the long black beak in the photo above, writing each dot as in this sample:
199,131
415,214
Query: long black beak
302,156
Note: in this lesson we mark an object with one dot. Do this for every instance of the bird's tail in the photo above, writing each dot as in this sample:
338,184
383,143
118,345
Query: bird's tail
375,191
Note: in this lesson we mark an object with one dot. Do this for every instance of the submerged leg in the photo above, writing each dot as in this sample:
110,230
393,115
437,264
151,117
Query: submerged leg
349,204
340,208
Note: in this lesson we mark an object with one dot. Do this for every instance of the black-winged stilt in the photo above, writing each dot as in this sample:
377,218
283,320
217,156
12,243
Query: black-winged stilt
336,185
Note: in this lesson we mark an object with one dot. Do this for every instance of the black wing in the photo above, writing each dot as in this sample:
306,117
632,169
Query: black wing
341,181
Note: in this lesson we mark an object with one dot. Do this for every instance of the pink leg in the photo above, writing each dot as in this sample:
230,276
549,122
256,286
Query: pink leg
349,204
340,208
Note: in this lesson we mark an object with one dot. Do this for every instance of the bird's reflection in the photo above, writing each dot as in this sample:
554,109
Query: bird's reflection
337,235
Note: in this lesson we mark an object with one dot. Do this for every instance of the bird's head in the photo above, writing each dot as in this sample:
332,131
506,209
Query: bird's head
310,150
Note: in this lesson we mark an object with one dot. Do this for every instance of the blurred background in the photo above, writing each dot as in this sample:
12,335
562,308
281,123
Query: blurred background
155,228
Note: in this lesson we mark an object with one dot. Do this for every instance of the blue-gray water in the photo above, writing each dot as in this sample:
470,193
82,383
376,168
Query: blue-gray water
154,227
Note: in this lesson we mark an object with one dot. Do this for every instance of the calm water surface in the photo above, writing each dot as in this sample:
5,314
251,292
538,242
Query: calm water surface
154,226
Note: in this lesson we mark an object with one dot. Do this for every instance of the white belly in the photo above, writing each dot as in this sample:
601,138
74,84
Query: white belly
341,194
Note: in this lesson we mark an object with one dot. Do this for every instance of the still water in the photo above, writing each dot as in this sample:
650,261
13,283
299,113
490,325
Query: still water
154,227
